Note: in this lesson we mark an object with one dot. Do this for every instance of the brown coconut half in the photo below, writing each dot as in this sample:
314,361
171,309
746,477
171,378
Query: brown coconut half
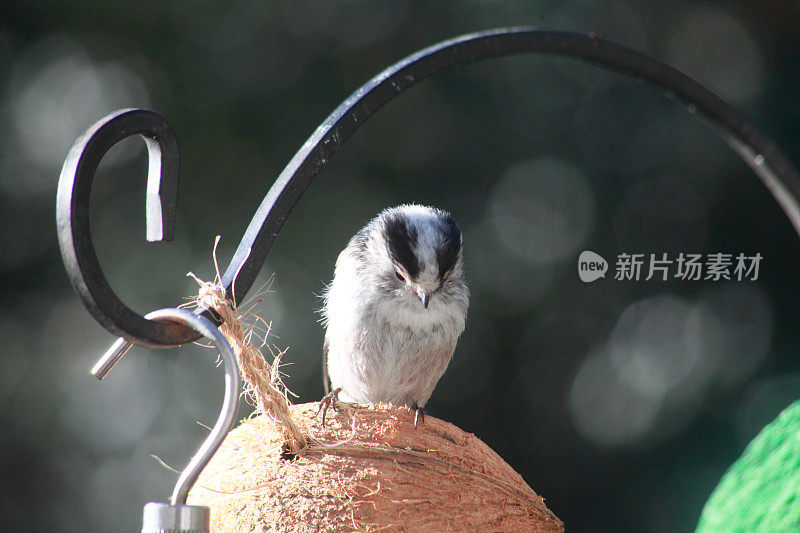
369,469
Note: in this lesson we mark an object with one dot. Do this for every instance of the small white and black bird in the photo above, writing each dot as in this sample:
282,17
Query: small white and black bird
395,309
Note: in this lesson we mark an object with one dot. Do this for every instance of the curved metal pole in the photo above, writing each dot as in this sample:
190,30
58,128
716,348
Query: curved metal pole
763,155
72,218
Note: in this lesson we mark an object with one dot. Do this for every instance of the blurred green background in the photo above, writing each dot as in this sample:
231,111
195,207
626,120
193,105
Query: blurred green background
621,402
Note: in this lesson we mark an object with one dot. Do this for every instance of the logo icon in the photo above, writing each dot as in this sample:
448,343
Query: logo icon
591,266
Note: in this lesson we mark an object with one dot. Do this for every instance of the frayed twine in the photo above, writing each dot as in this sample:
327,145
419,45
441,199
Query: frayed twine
263,383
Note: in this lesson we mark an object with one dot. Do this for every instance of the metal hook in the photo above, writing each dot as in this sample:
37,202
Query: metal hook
762,154
230,402
72,217
159,516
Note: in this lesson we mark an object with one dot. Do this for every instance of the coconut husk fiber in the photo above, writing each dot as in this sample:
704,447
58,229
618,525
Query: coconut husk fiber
368,469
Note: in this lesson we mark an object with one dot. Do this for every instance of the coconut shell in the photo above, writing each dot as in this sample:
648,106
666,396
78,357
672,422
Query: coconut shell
368,469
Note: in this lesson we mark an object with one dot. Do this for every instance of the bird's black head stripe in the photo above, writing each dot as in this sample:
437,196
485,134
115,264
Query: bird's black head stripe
400,238
448,251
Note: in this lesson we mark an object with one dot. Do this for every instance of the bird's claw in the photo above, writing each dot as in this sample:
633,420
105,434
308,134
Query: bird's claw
329,400
419,413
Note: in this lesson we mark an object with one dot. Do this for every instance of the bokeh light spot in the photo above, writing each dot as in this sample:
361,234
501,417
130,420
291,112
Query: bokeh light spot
607,410
496,276
663,355
653,346
57,91
713,46
542,210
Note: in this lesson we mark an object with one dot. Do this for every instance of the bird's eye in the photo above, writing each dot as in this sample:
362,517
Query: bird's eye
399,275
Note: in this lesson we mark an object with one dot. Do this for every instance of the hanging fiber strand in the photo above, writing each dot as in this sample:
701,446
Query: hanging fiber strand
262,380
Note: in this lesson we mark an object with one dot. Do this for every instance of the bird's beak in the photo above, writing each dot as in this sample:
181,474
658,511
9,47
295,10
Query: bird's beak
423,295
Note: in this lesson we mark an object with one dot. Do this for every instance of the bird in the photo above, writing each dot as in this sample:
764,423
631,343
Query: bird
394,310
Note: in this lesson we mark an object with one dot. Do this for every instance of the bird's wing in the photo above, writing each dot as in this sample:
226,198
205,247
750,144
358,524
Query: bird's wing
325,381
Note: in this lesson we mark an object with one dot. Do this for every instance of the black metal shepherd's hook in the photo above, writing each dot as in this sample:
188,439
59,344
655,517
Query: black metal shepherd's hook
763,156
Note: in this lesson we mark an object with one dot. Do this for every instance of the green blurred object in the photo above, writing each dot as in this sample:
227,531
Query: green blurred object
760,491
